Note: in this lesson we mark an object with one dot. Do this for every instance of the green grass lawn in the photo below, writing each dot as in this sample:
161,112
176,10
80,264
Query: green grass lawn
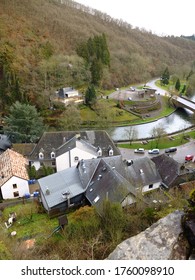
29,222
164,142
106,110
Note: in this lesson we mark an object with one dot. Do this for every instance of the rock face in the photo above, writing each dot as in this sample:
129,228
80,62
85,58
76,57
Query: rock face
164,240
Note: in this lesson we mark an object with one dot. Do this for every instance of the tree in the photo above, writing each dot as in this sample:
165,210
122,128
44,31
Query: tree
165,77
90,95
113,220
96,54
158,132
131,133
70,118
177,85
183,89
23,124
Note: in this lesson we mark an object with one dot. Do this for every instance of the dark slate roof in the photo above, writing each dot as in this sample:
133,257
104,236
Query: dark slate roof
24,149
107,183
76,142
168,168
86,169
97,178
143,172
5,142
51,141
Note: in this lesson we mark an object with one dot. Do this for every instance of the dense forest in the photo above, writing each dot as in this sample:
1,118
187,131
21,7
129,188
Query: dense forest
39,50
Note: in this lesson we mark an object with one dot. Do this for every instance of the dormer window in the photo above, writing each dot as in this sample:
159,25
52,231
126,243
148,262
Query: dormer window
76,158
110,152
99,152
41,155
53,155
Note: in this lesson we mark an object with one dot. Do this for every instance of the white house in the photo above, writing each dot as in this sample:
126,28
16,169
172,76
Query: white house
67,92
143,174
70,153
65,149
13,175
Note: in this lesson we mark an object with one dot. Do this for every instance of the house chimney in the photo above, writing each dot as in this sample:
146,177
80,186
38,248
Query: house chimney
47,192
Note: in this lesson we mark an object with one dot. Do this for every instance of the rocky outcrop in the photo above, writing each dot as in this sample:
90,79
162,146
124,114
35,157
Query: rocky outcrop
164,240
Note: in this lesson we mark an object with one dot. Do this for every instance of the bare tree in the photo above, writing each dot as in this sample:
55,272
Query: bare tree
158,133
131,133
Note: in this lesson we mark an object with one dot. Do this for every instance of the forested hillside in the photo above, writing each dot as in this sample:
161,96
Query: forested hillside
39,39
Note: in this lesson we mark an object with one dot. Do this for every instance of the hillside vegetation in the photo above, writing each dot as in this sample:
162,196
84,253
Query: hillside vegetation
39,39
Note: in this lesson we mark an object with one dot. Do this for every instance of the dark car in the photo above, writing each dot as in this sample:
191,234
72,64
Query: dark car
171,150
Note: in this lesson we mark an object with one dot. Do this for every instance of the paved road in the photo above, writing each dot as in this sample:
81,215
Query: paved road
182,151
159,90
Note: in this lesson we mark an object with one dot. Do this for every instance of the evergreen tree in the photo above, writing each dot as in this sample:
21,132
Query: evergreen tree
177,85
183,89
96,54
23,124
165,77
90,95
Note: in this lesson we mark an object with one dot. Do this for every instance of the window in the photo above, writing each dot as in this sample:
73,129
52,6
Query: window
41,155
16,194
53,163
53,155
14,186
151,186
96,199
110,152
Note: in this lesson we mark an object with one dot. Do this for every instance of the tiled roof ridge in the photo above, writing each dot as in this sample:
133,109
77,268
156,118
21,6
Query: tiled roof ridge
86,187
65,143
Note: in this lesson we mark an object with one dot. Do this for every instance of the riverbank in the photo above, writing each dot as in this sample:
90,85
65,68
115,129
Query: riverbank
167,141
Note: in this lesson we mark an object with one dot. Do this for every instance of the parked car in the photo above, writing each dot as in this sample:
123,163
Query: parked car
139,151
154,151
189,157
171,150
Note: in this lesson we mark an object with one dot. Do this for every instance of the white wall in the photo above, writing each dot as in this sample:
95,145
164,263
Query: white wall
130,199
155,186
36,164
68,160
8,190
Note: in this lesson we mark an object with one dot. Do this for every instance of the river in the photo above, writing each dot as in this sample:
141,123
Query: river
181,119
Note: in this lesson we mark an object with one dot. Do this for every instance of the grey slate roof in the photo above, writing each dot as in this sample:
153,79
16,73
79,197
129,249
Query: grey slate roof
56,184
73,143
107,183
98,177
143,172
52,141
168,168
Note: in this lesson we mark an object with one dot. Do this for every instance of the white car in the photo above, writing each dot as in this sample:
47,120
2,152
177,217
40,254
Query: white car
139,151
154,151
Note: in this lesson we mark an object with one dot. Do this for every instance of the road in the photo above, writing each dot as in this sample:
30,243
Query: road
179,156
159,90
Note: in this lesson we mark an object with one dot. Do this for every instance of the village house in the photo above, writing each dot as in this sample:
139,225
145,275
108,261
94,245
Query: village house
94,180
69,95
143,174
65,149
90,182
172,173
14,176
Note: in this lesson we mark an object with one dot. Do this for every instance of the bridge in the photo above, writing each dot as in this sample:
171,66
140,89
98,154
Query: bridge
183,102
